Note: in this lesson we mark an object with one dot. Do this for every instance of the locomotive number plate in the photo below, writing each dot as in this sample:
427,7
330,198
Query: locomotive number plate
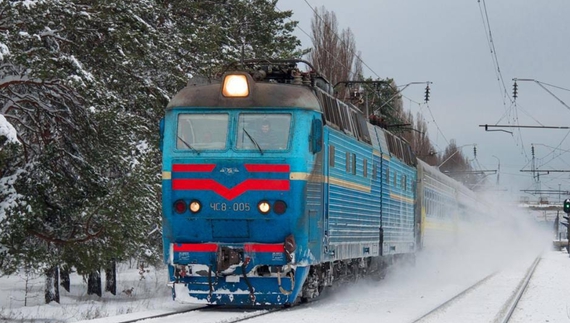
235,207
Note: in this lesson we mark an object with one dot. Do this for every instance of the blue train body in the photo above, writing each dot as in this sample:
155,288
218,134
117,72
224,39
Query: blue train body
272,218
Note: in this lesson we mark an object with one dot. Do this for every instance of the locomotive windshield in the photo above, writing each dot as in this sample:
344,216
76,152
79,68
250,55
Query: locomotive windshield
202,131
263,131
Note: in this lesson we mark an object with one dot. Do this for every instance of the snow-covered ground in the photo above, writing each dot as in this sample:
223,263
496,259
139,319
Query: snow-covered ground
22,297
406,294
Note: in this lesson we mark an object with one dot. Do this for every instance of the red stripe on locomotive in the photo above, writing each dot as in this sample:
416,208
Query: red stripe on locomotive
195,247
263,248
212,247
231,193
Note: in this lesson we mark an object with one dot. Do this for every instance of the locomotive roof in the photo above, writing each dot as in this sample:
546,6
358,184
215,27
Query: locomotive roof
262,94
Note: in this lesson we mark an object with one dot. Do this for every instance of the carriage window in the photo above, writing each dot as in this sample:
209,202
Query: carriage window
202,131
365,167
266,131
354,164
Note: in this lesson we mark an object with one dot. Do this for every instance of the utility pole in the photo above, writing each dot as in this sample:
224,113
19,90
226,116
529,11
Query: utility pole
498,168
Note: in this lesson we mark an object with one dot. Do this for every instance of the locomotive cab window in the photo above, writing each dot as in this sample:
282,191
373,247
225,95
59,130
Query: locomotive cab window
263,131
202,131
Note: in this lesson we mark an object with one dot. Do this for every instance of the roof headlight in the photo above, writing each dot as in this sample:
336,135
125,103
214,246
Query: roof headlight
235,86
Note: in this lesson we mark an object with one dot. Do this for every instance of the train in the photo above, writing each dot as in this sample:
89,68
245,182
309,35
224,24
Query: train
252,217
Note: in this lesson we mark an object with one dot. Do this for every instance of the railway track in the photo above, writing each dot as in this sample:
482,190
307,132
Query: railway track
501,305
508,309
495,297
449,302
162,315
215,314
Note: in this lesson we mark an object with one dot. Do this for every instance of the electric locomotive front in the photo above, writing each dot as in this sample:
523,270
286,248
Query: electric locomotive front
234,220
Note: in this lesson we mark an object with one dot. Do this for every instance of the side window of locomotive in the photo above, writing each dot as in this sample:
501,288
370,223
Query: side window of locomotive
205,131
387,175
331,156
263,131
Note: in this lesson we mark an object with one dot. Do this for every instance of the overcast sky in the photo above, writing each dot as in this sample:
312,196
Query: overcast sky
446,42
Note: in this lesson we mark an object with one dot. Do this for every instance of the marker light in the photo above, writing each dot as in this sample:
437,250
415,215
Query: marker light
195,206
235,86
279,207
264,207
179,206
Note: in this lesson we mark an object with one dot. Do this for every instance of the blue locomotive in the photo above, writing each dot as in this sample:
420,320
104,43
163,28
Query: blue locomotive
273,190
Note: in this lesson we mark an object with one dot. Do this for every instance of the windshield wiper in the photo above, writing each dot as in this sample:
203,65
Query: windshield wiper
253,140
188,145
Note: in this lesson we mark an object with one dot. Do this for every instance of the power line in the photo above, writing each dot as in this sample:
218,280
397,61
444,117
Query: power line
487,26
436,125
547,90
366,65
498,73
556,148
554,86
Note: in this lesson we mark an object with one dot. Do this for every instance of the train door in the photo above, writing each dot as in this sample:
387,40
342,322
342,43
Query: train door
328,160
315,192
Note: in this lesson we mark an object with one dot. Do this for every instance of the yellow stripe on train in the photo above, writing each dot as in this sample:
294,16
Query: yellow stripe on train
299,176
401,198
439,226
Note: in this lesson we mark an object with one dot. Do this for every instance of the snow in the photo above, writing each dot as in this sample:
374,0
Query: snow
136,293
407,292
28,3
7,130
4,51
548,295
87,75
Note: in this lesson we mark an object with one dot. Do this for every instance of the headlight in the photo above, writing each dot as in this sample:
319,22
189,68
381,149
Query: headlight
195,206
264,207
235,86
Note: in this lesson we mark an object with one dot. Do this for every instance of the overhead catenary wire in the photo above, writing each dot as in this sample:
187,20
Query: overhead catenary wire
489,35
436,125
555,149
368,67
497,68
